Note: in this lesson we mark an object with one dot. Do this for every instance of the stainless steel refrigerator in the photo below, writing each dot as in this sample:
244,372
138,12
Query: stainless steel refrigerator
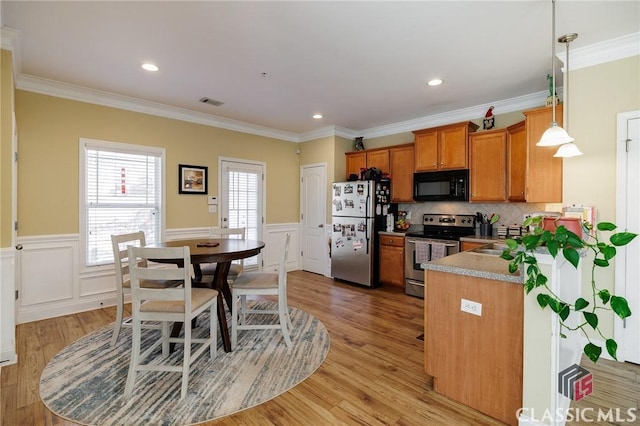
359,211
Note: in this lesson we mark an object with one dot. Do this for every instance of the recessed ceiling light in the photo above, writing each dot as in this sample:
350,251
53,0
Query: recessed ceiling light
317,116
435,82
150,67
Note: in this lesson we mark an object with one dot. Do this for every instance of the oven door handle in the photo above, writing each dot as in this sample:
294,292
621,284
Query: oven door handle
448,245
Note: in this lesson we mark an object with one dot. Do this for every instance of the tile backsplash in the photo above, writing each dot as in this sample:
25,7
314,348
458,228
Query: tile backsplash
510,213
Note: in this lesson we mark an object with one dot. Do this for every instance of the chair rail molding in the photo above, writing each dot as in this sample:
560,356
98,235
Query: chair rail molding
51,282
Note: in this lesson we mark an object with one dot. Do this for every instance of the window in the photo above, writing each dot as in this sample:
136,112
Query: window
121,189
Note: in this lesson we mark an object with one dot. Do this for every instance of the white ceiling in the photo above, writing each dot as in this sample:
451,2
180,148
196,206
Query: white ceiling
363,65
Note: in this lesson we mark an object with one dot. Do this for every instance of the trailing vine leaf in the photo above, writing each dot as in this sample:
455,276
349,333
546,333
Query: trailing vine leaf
553,248
601,262
591,318
580,304
572,256
608,252
622,238
604,296
620,306
564,312
592,351
612,348
606,226
543,300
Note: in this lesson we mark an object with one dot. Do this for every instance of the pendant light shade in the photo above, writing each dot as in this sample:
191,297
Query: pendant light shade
568,150
554,135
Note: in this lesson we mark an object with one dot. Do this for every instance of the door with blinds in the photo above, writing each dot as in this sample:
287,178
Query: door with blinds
241,200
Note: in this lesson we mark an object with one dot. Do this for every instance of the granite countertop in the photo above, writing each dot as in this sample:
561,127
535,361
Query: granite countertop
472,264
395,233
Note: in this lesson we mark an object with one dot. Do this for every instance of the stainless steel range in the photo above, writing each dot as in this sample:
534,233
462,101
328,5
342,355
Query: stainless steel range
440,237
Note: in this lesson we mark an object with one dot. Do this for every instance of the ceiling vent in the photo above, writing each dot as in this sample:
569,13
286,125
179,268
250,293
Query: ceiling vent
210,101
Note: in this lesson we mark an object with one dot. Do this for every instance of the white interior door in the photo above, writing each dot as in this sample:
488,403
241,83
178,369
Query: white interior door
313,195
241,200
628,218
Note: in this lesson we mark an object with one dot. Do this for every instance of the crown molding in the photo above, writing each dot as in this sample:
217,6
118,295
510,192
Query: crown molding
98,97
328,131
600,53
471,113
10,40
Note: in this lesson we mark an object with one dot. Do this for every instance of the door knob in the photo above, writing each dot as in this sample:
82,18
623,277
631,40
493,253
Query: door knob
321,226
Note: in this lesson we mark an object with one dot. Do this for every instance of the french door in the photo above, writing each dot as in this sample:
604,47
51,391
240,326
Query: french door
241,199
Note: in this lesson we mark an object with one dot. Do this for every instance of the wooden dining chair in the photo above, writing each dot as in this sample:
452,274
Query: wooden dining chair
168,305
237,266
119,245
261,284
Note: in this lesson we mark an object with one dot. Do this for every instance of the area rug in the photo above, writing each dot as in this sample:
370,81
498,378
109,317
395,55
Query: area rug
85,382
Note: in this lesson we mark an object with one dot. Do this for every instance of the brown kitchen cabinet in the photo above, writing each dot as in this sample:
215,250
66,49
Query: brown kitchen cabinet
543,171
355,162
488,166
469,245
476,359
401,168
378,158
516,158
443,148
391,265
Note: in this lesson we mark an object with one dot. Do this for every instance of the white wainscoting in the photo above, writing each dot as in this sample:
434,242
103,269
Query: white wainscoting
51,282
8,262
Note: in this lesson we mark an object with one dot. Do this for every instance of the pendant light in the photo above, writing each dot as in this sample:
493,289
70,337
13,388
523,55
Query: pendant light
569,149
555,134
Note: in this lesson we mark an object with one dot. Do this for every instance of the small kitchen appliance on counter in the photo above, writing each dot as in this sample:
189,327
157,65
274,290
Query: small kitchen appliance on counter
440,237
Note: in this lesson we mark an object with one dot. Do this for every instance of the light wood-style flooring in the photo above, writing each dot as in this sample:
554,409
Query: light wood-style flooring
373,374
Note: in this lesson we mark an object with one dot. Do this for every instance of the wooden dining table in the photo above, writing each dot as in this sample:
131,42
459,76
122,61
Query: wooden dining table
221,251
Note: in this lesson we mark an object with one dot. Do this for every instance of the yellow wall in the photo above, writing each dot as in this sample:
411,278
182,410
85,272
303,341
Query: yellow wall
6,126
50,129
596,95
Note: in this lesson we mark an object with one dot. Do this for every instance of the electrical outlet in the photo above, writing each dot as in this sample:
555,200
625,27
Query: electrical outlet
471,307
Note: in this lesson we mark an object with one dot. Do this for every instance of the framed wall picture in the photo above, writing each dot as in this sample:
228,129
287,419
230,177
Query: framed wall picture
192,179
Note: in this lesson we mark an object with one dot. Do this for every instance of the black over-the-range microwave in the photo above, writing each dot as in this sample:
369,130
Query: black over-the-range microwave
449,185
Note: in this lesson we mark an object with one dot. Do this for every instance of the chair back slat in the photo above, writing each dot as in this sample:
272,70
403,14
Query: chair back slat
140,273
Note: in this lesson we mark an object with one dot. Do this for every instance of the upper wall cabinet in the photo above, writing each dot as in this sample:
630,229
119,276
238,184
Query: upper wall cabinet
396,161
488,166
543,171
355,161
516,159
443,148
378,158
401,165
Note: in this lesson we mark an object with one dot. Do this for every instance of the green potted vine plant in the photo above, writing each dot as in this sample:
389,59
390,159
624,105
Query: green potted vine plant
521,255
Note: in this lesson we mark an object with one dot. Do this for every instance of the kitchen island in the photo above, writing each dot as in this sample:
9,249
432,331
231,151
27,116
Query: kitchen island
474,332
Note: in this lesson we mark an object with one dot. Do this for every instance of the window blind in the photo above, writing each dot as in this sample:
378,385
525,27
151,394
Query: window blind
243,205
122,195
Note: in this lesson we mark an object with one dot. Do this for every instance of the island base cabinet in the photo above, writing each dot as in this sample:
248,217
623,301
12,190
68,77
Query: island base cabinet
475,358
